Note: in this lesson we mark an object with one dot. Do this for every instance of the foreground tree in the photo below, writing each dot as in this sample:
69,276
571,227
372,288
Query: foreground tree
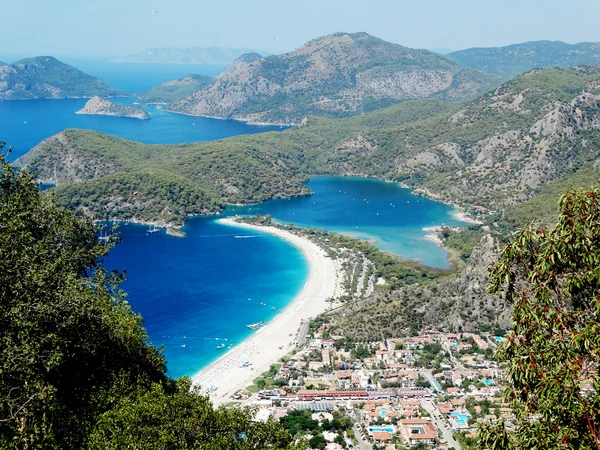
76,368
552,276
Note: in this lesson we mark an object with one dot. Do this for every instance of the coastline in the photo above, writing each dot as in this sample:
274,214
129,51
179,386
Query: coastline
265,346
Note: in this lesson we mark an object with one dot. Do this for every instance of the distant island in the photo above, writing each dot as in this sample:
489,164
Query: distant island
516,59
47,77
195,55
175,90
339,75
101,107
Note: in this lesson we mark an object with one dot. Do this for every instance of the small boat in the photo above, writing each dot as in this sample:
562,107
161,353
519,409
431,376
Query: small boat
273,308
257,325
263,304
221,346
153,229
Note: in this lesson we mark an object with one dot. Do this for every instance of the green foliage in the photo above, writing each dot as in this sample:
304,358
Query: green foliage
76,367
172,91
552,276
46,77
155,419
463,241
515,59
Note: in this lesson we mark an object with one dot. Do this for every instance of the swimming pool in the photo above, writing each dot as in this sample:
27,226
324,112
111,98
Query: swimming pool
498,338
388,429
459,419
488,382
383,413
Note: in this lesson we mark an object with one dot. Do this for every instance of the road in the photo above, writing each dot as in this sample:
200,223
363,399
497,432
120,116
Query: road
301,339
362,444
440,424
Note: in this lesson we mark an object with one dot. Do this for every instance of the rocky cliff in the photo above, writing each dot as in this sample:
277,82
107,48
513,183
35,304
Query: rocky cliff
46,77
101,107
337,75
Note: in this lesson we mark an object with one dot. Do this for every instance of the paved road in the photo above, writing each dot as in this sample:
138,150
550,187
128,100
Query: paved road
362,444
301,339
440,424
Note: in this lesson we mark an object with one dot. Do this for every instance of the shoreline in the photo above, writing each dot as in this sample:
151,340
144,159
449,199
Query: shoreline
275,340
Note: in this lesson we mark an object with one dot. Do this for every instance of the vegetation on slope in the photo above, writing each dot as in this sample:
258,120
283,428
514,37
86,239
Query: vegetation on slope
46,77
490,154
516,59
550,275
76,368
175,90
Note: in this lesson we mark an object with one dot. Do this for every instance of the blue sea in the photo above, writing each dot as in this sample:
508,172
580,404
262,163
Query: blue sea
198,293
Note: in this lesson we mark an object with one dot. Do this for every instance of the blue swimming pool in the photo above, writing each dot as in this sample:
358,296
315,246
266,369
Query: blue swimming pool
488,382
498,338
388,429
383,413
459,419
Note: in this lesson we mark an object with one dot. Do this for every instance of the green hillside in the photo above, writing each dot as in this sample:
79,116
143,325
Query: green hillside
497,151
46,77
516,59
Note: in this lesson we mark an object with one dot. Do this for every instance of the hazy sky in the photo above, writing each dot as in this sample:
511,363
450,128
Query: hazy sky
116,27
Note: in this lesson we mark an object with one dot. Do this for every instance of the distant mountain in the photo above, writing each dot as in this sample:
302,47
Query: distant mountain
47,77
441,51
516,59
175,90
337,75
195,55
101,107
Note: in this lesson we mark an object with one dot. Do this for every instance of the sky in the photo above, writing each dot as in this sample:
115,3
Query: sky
109,28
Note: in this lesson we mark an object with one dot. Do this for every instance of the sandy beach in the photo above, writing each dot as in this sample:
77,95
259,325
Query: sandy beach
277,338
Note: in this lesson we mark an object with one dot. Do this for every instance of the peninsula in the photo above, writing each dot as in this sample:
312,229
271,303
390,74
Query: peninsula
47,77
101,107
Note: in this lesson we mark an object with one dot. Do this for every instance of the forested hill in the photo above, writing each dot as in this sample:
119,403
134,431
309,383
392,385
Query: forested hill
175,90
516,59
337,75
495,152
47,77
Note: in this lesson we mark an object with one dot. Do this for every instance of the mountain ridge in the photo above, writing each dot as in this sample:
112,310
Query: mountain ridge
337,75
515,59
488,155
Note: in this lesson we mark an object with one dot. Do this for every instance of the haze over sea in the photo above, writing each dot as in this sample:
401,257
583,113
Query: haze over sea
198,294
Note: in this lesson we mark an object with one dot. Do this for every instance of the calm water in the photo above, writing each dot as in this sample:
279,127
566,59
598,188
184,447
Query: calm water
366,209
136,78
199,293
24,124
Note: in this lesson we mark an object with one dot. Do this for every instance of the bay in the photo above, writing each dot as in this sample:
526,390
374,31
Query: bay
194,290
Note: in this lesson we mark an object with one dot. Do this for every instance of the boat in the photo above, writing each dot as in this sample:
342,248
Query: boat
273,308
153,229
221,346
257,325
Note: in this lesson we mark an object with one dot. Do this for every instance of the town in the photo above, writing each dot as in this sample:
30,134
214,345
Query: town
427,391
